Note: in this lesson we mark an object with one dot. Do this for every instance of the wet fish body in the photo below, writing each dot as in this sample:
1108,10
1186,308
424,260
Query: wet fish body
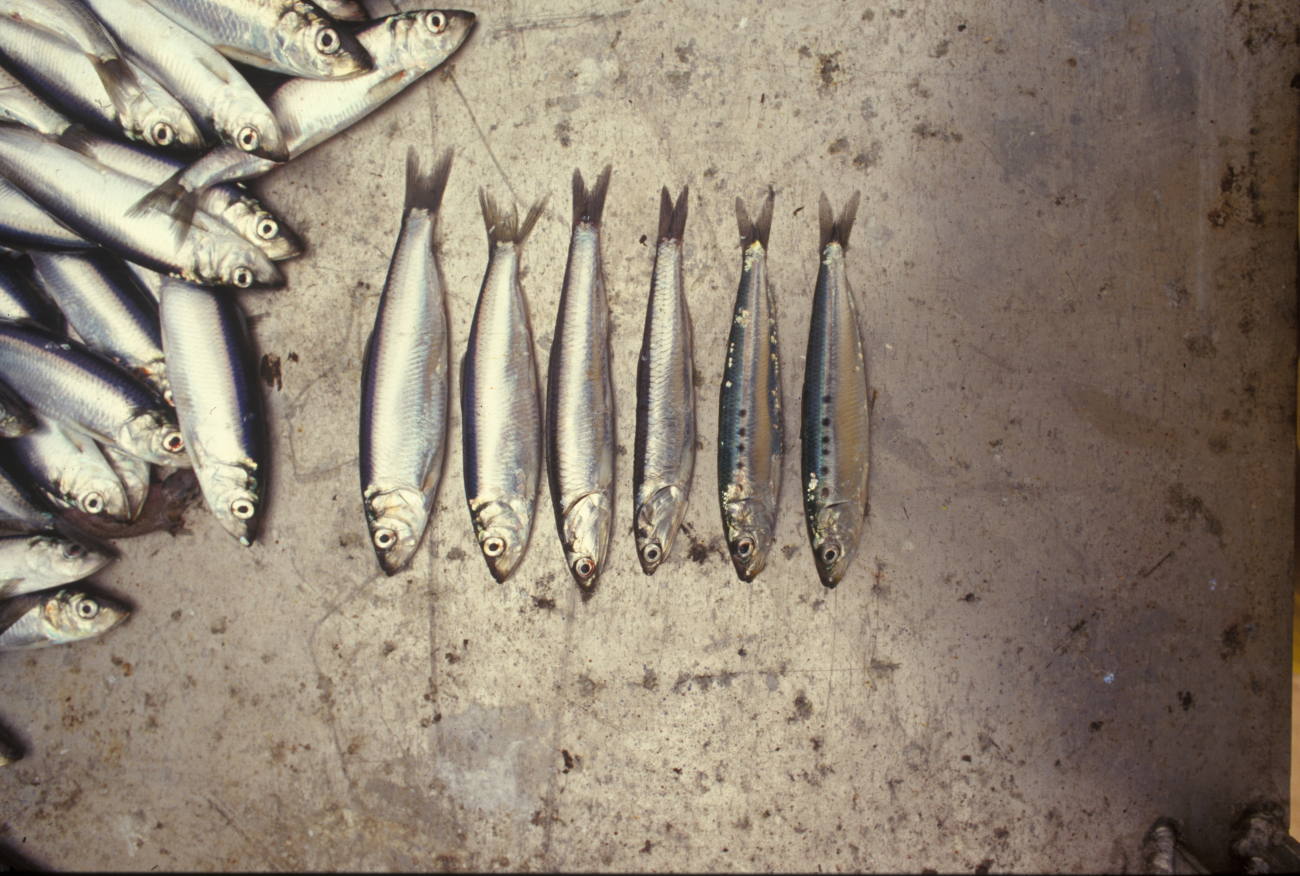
18,103
57,617
213,375
835,419
22,298
134,475
580,396
70,469
67,382
108,309
405,382
500,404
93,201
750,428
664,460
29,563
293,37
24,225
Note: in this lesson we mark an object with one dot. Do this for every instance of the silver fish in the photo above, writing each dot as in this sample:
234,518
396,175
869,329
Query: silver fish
580,396
24,224
213,374
233,205
108,309
16,418
403,47
20,501
70,469
18,103
405,381
750,428
134,475
92,200
294,37
501,413
150,281
664,459
65,76
22,298
63,380
835,418
57,617
198,75
343,10
36,562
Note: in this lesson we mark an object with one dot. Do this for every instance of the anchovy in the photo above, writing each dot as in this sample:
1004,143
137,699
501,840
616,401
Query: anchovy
70,469
108,309
22,298
38,561
403,47
65,381
294,37
405,381
233,205
500,407
56,617
198,75
580,396
24,225
835,419
16,418
664,459
64,75
134,475
213,374
750,428
91,200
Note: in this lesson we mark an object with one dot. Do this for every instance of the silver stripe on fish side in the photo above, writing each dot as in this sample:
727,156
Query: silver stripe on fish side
580,396
213,373
405,381
750,427
501,408
56,617
664,459
835,419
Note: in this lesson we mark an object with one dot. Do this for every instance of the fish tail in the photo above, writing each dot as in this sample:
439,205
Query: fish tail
755,232
424,191
672,218
589,204
836,230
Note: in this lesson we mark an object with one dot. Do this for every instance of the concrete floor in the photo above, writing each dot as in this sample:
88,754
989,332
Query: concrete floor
1075,264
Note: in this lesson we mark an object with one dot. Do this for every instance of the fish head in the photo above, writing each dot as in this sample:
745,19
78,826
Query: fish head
94,491
397,520
54,557
585,536
170,127
835,533
252,128
241,264
317,47
657,520
502,529
234,493
421,39
749,524
73,614
260,228
154,437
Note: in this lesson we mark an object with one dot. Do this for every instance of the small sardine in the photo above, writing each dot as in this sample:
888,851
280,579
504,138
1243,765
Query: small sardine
664,459
57,617
70,469
405,381
213,374
750,428
580,396
835,419
500,406
29,563
294,37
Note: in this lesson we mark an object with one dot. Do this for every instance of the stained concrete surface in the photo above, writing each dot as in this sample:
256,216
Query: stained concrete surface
1075,266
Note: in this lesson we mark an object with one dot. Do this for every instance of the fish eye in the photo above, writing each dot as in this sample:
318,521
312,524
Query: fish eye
163,134
494,547
242,277
267,228
92,503
584,568
745,547
830,554
435,21
242,508
87,608
651,553
72,550
173,442
384,538
248,139
327,40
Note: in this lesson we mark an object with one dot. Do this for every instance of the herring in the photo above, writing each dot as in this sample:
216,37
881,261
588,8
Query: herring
70,469
39,561
57,617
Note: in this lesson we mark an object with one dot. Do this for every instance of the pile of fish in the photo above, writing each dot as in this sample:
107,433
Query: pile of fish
405,398
126,133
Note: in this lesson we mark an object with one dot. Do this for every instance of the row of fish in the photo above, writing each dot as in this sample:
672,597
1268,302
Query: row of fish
405,397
